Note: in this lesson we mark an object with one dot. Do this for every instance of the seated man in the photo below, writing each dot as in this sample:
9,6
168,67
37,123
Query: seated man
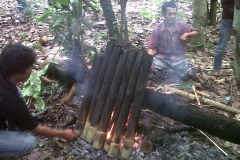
167,44
15,66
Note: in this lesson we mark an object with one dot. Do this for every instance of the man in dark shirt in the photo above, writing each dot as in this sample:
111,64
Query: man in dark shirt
15,66
167,43
224,35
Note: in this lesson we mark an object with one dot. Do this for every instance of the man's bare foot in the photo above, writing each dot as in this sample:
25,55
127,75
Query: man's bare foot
214,76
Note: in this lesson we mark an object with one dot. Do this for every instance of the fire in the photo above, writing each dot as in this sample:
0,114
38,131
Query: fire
109,132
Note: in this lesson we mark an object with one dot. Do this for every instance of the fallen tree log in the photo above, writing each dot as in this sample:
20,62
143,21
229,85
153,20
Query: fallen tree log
172,107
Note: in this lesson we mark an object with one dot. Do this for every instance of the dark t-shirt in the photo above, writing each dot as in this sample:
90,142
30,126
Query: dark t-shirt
228,9
13,108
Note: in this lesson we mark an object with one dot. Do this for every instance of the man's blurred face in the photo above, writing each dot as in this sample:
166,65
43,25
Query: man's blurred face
170,15
24,76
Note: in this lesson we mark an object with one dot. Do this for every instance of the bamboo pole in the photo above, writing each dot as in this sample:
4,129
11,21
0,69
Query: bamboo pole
108,108
203,94
100,78
83,111
136,106
123,87
109,75
127,101
208,101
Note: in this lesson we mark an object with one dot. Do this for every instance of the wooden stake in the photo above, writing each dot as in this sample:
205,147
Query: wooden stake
194,90
137,105
213,143
71,93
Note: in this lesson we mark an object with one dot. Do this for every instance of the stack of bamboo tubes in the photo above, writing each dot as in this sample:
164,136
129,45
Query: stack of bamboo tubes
116,85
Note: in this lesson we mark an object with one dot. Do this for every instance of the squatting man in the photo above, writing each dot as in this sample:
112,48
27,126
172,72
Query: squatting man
168,44
15,66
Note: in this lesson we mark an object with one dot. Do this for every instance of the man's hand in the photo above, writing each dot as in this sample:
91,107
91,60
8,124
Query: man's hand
184,37
151,51
69,135
192,34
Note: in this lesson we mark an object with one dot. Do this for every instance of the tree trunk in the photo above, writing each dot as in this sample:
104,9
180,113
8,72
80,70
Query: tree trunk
236,34
110,18
124,30
199,22
203,119
213,12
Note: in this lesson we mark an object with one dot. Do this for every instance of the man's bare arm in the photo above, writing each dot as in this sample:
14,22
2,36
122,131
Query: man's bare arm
192,34
49,132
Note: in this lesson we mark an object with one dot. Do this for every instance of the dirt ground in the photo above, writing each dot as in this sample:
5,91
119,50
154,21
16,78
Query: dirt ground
179,145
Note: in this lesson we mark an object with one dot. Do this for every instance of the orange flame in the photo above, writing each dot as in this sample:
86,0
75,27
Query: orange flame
109,132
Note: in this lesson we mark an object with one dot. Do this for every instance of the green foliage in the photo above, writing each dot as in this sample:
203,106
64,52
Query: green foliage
65,150
34,87
180,15
154,11
149,14
28,12
65,25
205,45
100,36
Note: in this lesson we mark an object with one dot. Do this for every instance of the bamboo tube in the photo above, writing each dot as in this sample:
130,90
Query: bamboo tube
113,150
123,87
83,111
109,75
137,105
127,101
100,78
108,108
85,129
127,148
107,145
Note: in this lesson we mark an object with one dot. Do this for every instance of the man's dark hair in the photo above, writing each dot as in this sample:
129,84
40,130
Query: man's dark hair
15,59
168,4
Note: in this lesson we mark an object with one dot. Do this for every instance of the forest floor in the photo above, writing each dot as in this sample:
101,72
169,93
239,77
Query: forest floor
15,28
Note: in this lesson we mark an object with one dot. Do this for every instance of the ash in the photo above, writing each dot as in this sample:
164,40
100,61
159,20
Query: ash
185,145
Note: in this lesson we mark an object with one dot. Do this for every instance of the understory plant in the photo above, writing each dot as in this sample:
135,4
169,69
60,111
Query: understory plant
33,88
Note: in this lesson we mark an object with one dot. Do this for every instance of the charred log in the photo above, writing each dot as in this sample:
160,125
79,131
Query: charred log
172,107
